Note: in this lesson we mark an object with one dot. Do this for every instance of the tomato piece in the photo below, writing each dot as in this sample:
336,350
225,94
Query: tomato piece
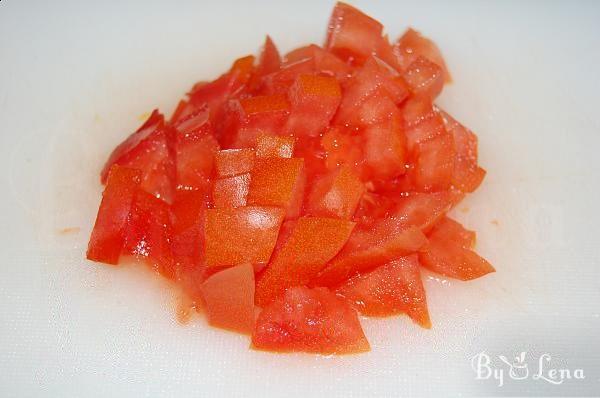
149,149
450,230
435,164
374,78
107,239
342,147
335,194
351,34
309,320
269,60
424,78
391,289
370,247
229,299
241,235
314,101
250,117
232,162
385,150
450,259
278,182
231,191
272,146
423,210
467,174
324,62
423,128
412,45
195,149
374,207
280,82
148,233
183,110
312,243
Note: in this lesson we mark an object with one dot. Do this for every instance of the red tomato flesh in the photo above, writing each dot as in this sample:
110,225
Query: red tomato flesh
309,320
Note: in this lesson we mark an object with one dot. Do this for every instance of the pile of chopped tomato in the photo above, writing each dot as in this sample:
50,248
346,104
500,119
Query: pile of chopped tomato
313,186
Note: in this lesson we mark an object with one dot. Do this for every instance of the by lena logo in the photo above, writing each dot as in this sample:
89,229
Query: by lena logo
522,367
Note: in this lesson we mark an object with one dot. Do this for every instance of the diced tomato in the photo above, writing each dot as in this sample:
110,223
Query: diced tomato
423,210
385,150
374,207
467,174
374,78
390,289
149,149
324,62
351,34
280,82
314,101
424,78
309,320
231,191
250,117
272,146
450,258
268,62
183,110
241,235
421,122
434,165
108,235
450,230
229,299
278,182
335,194
195,149
412,45
312,243
342,146
232,162
148,233
368,248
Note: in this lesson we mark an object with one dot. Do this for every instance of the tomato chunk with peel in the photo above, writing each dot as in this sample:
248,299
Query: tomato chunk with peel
313,241
335,194
385,150
390,289
278,182
231,191
229,299
272,146
241,235
314,101
309,320
450,230
368,248
108,235
434,166
232,162
412,45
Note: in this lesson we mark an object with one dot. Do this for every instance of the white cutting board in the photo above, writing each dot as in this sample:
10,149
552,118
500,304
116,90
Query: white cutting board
75,76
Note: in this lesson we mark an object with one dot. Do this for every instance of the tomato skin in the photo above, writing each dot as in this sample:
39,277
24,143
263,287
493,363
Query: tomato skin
241,235
232,162
231,191
412,44
107,239
278,182
148,233
424,78
391,289
335,194
314,101
368,248
309,320
230,308
313,241
272,146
